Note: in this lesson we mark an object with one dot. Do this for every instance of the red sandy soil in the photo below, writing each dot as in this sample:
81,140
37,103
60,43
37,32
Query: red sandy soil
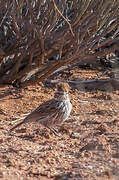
87,146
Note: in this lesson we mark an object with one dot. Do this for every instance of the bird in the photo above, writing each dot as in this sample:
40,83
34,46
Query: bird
53,112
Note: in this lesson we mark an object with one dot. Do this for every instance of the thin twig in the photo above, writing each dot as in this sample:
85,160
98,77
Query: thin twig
63,18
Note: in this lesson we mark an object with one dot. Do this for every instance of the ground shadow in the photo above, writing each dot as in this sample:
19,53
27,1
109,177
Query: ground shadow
10,91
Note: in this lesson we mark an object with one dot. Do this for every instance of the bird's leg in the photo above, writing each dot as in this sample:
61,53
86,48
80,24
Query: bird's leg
56,130
53,130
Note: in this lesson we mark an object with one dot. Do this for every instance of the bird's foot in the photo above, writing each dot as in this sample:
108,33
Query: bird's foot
8,133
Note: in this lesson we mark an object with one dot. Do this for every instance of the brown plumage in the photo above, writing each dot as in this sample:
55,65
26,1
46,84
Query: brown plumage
51,112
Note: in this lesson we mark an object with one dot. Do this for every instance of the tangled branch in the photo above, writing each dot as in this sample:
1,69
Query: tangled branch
38,37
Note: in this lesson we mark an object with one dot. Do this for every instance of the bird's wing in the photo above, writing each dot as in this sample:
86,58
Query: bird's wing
48,108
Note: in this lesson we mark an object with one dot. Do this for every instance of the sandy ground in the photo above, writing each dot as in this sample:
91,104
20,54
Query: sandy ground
87,146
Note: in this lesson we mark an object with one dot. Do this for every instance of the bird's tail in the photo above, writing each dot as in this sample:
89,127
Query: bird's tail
17,125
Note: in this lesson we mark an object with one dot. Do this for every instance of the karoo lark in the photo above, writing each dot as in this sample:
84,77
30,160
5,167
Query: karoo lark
52,112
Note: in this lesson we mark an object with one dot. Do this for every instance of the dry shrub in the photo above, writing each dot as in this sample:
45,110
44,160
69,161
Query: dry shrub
37,37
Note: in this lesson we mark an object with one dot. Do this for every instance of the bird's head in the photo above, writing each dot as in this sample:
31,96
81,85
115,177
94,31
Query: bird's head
62,90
